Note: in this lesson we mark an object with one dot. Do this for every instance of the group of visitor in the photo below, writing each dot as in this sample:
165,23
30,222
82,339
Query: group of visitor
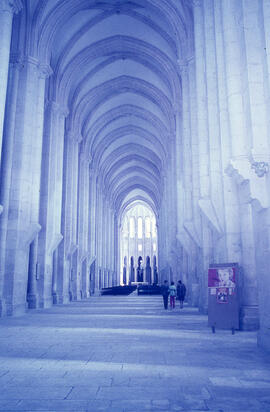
172,291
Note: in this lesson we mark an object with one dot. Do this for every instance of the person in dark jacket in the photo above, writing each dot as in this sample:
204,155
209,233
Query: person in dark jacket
165,293
181,293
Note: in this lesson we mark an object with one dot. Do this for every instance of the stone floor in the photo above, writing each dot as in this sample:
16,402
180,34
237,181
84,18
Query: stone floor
128,354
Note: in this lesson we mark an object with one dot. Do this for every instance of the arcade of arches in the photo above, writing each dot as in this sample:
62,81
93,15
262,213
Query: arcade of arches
106,104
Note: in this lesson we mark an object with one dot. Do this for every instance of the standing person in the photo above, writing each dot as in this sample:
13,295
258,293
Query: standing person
165,293
172,291
181,293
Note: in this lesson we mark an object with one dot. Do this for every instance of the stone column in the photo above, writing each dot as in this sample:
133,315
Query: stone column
51,203
44,71
234,79
202,112
132,271
54,277
186,148
215,172
6,165
258,88
203,143
148,271
237,210
7,9
231,208
23,224
32,278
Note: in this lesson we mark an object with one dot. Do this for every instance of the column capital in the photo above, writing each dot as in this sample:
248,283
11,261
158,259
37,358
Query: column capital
16,61
11,6
197,3
183,66
57,108
190,60
44,70
85,158
76,137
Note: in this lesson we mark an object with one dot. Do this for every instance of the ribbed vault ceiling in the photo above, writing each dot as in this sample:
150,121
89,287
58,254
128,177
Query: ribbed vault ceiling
115,66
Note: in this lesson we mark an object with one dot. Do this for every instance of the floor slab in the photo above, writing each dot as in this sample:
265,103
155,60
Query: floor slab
128,354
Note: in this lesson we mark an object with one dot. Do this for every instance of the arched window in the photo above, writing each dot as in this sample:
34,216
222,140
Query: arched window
154,227
140,228
147,226
131,227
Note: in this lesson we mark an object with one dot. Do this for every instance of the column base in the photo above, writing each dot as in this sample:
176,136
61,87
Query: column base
63,299
194,296
203,310
11,309
32,301
264,339
46,303
249,318
55,299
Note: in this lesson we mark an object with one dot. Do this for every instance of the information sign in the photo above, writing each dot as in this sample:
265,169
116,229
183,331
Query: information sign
223,302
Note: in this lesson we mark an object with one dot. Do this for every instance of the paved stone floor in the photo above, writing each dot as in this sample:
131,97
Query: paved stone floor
128,354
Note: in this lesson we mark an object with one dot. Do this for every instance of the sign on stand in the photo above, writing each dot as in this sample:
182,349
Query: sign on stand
223,296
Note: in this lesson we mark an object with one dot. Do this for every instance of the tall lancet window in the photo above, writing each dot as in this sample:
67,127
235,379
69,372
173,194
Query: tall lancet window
140,228
132,227
138,237
154,227
147,227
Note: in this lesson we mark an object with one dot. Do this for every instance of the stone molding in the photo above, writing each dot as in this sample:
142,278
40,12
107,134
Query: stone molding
54,243
11,6
260,168
19,61
57,107
196,3
27,236
240,169
182,66
75,137
83,254
208,210
44,70
16,61
70,249
85,158
192,232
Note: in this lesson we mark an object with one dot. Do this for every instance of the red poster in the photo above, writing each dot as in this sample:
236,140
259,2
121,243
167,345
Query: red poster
222,295
221,277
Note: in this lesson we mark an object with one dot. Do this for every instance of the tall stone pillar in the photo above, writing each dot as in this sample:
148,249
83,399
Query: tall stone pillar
187,235
203,143
7,10
51,204
234,81
54,277
132,271
148,271
125,271
23,225
6,165
239,109
231,208
202,112
32,278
